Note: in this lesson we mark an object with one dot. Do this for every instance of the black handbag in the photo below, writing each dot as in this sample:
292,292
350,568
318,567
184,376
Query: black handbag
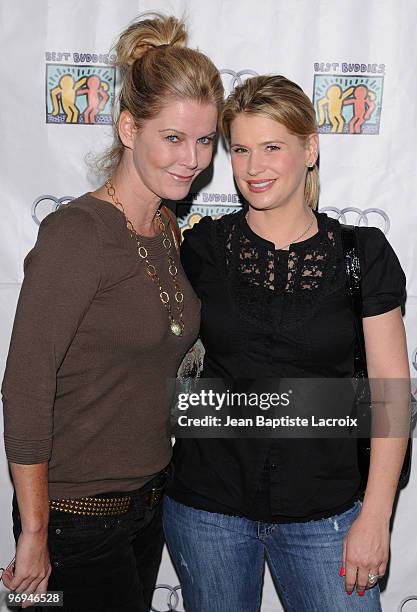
353,273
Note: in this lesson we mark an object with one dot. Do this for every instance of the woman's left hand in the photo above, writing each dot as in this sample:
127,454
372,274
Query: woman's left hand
365,551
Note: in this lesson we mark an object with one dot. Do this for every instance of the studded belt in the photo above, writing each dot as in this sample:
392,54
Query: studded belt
112,504
93,506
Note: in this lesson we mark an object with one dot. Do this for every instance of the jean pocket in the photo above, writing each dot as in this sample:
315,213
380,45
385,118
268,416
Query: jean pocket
78,543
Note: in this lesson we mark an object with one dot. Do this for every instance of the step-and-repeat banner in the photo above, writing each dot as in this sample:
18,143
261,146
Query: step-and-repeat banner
355,58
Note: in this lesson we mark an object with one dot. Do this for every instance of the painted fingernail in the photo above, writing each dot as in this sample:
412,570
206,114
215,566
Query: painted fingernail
342,571
349,592
361,593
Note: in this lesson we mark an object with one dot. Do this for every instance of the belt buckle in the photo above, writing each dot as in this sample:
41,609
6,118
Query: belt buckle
155,496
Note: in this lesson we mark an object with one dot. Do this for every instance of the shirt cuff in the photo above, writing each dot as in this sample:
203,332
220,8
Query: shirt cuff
377,307
27,452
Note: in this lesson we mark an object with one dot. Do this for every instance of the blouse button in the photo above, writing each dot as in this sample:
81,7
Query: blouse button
273,466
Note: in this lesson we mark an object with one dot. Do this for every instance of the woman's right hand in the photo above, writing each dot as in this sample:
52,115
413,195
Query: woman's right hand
32,566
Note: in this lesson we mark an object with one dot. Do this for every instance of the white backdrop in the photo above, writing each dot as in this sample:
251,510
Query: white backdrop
365,46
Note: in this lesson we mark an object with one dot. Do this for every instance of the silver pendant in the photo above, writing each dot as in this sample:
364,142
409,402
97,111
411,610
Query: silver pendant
177,327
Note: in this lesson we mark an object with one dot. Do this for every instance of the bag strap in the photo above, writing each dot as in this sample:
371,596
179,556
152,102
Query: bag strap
353,277
175,230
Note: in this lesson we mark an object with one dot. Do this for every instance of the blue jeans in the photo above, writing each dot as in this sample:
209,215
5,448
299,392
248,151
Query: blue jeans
220,561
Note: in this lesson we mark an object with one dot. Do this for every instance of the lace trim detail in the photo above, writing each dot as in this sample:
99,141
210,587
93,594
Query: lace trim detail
280,287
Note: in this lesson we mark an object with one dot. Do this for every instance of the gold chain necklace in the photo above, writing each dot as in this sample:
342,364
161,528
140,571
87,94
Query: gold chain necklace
175,325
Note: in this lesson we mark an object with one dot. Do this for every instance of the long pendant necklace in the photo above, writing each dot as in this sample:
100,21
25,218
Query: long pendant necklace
176,325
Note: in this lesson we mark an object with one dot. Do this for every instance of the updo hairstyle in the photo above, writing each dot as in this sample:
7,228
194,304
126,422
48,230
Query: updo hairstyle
154,66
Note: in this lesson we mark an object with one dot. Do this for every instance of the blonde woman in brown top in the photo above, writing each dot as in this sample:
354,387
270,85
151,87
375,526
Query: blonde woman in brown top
104,318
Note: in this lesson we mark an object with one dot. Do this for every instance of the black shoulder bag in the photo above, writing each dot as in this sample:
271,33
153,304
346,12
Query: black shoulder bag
353,273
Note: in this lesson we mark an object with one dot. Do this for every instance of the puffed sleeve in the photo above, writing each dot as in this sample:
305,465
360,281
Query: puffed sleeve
197,253
62,275
383,279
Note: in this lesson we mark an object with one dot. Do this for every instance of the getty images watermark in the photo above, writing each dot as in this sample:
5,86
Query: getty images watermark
312,408
262,401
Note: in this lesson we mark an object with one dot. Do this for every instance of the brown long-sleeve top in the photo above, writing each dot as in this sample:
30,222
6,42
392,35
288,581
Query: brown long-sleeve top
85,386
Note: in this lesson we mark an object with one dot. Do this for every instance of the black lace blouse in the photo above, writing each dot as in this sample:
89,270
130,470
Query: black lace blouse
277,313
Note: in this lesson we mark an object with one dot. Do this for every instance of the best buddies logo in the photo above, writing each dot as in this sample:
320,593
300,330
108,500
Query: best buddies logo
80,92
347,97
205,204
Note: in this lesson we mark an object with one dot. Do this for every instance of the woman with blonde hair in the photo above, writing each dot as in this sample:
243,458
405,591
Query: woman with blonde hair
104,318
275,304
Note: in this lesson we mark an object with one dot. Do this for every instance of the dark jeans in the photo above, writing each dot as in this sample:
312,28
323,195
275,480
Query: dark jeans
107,564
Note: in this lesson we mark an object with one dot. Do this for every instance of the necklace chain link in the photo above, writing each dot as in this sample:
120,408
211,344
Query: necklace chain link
176,325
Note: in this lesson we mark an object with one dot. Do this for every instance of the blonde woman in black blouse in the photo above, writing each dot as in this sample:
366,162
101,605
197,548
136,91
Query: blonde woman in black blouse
275,304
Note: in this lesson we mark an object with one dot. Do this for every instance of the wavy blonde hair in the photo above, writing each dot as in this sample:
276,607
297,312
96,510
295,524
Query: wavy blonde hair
280,99
155,65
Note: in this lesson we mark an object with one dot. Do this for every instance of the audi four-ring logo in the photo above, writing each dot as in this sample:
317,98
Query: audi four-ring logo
47,204
406,600
172,600
238,78
360,217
